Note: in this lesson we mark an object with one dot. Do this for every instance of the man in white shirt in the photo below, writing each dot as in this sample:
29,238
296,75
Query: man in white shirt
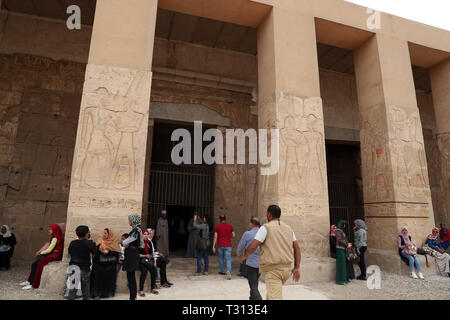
278,250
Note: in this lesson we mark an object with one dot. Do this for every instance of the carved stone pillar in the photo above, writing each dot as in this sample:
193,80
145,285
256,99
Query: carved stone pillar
110,152
395,175
148,163
289,100
440,82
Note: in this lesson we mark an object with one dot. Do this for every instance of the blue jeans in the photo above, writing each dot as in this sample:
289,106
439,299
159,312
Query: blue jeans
202,254
412,260
224,252
445,245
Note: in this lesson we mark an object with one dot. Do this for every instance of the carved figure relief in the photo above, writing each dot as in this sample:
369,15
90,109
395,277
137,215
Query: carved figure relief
374,156
110,125
409,163
302,144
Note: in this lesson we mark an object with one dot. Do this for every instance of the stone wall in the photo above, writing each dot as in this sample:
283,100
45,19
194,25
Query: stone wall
39,106
427,116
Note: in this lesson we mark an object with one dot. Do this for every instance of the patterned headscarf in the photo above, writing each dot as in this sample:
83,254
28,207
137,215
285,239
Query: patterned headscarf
434,234
136,225
7,234
333,230
361,224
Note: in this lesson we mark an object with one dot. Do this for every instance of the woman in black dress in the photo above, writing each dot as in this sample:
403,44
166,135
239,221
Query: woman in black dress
133,245
8,239
104,272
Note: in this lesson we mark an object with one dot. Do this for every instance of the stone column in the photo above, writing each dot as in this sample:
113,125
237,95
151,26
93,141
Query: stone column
289,100
395,175
109,159
440,82
148,163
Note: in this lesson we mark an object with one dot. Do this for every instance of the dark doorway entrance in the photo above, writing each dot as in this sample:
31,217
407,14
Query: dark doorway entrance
178,221
179,189
344,184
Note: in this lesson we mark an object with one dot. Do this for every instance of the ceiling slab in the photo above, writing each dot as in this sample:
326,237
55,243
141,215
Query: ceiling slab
339,35
426,57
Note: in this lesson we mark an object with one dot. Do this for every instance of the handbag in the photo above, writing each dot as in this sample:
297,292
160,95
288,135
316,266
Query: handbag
201,244
352,256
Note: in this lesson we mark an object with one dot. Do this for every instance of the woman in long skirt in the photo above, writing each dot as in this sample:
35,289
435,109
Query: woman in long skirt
435,248
104,275
341,253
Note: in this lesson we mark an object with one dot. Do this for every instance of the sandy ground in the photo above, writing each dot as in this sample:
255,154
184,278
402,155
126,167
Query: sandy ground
216,287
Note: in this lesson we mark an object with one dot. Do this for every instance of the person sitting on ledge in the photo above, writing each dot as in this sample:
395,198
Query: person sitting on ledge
8,241
147,264
441,257
408,250
45,255
444,237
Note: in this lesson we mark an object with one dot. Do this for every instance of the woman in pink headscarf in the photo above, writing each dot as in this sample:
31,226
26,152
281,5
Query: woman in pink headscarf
408,251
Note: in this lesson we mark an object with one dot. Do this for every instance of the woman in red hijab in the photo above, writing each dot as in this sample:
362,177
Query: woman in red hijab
45,255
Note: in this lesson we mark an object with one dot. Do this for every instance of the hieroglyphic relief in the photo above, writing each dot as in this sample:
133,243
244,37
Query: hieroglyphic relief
408,155
444,148
375,157
111,129
302,146
435,175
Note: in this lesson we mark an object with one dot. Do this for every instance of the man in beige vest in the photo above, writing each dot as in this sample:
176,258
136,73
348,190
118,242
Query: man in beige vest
278,251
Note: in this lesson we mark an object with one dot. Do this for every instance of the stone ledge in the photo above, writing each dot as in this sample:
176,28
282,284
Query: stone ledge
54,277
389,261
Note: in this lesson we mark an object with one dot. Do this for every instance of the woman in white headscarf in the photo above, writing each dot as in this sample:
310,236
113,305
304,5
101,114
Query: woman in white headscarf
7,241
434,248
361,244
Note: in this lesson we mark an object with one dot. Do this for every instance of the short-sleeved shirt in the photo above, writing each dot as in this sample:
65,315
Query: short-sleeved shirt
80,253
262,234
224,231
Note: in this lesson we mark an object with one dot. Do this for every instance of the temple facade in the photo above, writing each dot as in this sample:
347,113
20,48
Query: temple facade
361,100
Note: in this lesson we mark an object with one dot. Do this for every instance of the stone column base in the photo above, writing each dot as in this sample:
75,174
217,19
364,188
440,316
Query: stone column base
54,277
389,261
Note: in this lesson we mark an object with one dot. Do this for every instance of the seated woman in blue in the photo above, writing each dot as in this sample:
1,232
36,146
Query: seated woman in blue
441,258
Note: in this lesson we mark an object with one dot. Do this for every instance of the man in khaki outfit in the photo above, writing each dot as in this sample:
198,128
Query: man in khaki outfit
278,250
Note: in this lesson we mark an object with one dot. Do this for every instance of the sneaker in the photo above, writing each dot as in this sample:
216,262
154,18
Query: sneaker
197,274
27,287
228,275
421,275
361,278
221,273
25,283
414,275
205,273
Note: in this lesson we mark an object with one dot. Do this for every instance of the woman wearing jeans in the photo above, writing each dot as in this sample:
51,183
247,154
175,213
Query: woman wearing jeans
361,244
408,250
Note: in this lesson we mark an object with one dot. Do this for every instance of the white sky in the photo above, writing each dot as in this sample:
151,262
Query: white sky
432,12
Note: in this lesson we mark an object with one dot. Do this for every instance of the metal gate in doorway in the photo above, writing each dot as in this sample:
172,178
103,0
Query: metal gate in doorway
180,185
